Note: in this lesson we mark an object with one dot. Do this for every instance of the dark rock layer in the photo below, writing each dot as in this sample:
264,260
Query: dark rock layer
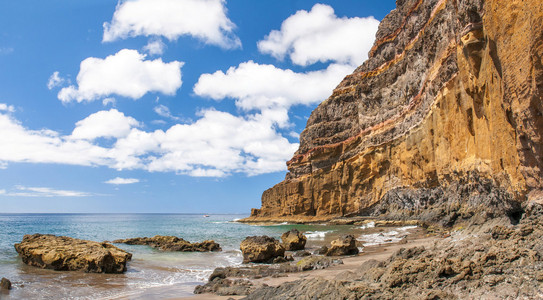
172,243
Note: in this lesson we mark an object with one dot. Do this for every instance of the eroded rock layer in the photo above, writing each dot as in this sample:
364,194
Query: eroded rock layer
449,100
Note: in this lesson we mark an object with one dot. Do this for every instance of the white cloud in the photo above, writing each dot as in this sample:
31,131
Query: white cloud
107,124
108,101
126,73
6,108
205,20
155,47
265,87
55,80
23,191
164,111
217,144
319,35
119,180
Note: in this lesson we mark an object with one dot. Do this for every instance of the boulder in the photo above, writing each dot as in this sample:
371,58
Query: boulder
5,284
345,245
321,251
261,249
63,253
172,243
293,240
317,262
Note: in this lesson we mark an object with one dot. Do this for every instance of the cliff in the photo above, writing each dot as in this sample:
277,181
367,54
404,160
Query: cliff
442,122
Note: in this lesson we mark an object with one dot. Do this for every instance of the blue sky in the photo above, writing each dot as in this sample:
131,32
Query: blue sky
181,106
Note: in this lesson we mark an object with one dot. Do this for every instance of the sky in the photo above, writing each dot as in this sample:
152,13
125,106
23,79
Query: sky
164,106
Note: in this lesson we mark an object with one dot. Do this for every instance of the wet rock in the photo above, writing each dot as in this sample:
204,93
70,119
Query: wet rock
317,262
303,253
279,259
5,284
321,251
225,287
293,240
172,243
62,253
345,245
261,249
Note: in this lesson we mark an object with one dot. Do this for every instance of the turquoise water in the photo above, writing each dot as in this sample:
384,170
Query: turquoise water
165,274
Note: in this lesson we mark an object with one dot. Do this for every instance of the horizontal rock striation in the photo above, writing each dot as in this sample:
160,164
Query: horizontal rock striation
63,253
450,100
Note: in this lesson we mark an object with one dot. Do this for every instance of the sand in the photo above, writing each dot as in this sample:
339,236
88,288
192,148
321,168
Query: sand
379,252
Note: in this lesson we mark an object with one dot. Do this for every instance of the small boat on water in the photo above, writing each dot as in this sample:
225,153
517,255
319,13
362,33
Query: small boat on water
206,216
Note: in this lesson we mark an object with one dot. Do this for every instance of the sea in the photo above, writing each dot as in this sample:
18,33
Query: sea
151,274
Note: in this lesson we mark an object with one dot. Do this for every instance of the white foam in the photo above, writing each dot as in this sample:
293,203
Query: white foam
368,225
391,236
316,235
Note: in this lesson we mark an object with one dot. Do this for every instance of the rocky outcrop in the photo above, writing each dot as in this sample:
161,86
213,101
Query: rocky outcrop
172,243
317,262
62,253
5,284
293,240
494,262
344,245
261,249
446,112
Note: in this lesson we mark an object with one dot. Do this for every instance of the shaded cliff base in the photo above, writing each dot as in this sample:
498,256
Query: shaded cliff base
473,200
501,258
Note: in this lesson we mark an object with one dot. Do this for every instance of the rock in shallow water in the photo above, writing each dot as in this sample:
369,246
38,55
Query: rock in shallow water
293,240
63,253
261,249
345,245
172,243
5,284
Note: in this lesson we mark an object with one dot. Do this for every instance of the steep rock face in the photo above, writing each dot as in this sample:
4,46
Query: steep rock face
450,97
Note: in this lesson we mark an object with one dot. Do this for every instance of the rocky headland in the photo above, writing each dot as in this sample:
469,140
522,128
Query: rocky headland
62,253
443,123
441,127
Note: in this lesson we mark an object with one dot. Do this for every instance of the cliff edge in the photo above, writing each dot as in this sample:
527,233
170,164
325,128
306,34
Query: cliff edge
443,122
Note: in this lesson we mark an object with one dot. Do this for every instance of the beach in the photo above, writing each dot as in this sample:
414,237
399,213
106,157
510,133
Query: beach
150,273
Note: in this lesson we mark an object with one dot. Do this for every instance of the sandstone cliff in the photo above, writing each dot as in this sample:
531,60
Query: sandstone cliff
444,120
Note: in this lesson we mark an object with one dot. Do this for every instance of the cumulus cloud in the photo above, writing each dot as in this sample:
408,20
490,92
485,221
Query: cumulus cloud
217,144
155,47
205,20
319,35
126,74
264,87
107,124
6,108
55,80
119,180
23,191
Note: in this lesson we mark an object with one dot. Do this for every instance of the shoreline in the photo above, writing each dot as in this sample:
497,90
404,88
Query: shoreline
380,252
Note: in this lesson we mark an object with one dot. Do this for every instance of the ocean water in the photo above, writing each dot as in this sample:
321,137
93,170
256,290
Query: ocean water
151,273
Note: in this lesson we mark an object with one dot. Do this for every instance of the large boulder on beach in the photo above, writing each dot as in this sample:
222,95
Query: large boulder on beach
172,243
345,245
63,253
261,249
293,240
5,284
